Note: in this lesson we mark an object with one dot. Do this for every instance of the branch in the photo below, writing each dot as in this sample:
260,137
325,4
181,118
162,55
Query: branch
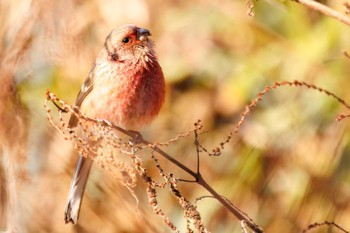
325,10
138,141
254,102
326,223
233,209
198,179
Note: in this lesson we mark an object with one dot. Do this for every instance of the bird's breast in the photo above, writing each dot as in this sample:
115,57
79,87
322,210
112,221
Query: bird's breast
130,100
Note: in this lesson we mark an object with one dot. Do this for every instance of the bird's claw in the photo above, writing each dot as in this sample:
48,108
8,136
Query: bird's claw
136,137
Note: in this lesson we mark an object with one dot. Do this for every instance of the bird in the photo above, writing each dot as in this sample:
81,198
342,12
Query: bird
126,87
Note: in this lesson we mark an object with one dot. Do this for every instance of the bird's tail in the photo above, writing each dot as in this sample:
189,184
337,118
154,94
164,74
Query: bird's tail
76,190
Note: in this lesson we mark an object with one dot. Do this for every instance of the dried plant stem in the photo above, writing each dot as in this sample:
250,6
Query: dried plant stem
234,210
254,102
139,142
142,143
326,223
199,179
325,10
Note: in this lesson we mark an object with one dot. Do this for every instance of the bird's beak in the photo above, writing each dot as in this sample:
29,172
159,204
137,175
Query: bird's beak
143,34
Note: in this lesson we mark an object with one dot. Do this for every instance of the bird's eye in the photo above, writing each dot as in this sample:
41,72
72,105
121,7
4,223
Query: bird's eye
126,40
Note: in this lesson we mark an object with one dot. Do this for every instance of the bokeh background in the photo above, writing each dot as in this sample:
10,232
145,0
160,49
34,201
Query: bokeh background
287,168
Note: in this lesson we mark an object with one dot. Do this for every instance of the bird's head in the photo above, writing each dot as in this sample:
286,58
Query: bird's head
130,44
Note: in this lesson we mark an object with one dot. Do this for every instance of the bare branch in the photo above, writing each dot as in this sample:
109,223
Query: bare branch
254,102
325,10
326,223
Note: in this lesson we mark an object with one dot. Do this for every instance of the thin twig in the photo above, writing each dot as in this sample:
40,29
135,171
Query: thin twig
325,10
326,223
196,142
202,197
199,179
233,209
254,102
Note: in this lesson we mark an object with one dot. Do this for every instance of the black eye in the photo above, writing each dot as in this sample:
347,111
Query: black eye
126,40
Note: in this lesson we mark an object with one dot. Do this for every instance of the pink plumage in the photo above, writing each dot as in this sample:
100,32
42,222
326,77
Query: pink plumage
125,86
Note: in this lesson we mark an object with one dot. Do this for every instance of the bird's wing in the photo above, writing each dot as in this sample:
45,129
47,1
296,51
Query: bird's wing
85,89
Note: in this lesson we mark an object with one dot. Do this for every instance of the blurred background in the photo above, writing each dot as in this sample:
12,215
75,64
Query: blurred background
287,168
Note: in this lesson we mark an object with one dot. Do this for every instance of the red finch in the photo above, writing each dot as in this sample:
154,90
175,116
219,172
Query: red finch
125,87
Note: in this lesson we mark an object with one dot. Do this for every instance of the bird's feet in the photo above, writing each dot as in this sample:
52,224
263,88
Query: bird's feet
136,137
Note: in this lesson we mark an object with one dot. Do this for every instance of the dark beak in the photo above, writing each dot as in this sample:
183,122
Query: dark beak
142,34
